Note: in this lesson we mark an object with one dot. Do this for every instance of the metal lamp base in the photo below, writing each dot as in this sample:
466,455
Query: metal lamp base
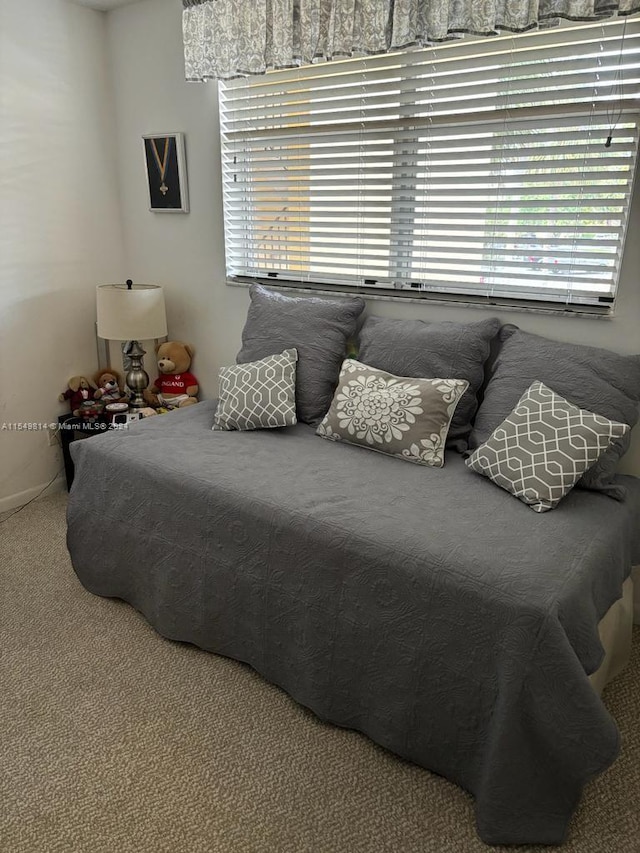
137,378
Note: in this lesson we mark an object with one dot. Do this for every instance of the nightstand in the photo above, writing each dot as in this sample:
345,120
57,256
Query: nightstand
73,429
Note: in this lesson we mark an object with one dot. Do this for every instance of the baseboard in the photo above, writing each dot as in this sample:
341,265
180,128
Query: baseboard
21,498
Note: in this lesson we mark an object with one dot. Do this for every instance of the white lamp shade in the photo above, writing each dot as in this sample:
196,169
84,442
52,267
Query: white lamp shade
131,314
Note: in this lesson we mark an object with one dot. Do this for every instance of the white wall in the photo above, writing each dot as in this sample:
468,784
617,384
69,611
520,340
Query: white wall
186,252
59,221
183,252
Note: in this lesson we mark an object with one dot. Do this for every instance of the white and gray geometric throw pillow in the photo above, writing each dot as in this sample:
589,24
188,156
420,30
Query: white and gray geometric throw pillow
403,417
258,395
540,451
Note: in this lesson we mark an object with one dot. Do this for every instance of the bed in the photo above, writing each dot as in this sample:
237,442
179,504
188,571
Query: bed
422,606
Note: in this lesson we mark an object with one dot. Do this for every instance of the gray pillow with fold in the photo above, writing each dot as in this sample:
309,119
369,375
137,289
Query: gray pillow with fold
317,328
543,447
599,380
444,350
258,394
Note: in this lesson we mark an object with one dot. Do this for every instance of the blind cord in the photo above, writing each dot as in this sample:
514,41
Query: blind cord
618,83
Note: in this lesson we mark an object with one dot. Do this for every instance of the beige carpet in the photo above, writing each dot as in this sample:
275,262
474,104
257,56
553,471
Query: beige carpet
113,740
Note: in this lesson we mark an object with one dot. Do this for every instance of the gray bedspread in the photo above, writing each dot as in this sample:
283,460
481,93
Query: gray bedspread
425,607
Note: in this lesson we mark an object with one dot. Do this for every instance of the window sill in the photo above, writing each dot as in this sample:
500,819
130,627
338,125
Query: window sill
463,301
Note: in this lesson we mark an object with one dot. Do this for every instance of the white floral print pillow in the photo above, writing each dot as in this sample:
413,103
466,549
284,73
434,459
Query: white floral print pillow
401,416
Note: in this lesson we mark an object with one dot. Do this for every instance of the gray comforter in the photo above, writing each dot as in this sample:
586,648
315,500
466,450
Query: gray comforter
425,607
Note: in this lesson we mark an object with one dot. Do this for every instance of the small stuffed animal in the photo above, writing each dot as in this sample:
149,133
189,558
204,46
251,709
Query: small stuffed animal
79,391
109,386
175,387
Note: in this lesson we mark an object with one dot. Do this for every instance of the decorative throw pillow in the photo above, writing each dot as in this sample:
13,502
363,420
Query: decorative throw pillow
317,328
258,395
543,447
404,417
595,379
419,348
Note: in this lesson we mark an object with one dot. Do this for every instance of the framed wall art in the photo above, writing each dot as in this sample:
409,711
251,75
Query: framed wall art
166,172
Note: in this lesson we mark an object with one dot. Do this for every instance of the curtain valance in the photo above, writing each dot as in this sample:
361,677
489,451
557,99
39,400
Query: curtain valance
230,38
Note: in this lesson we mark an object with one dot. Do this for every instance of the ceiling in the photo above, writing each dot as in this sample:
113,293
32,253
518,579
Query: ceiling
104,5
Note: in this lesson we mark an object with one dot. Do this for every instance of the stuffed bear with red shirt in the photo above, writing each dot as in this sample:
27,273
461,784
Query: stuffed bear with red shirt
175,386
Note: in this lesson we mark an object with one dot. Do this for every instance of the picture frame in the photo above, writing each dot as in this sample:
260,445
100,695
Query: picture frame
166,168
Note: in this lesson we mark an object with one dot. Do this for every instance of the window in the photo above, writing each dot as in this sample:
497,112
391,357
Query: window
473,170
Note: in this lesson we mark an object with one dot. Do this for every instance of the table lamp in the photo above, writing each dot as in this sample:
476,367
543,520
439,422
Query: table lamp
132,312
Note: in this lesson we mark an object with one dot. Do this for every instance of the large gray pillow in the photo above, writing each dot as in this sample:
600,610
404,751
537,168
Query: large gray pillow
417,348
591,378
317,328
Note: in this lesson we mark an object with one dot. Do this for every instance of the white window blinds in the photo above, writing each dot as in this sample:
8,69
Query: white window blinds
482,169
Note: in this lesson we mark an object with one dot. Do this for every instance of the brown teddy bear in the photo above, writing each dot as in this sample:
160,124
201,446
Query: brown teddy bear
79,392
175,387
109,386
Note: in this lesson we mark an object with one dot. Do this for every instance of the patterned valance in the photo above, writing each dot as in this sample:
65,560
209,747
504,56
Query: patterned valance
231,38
